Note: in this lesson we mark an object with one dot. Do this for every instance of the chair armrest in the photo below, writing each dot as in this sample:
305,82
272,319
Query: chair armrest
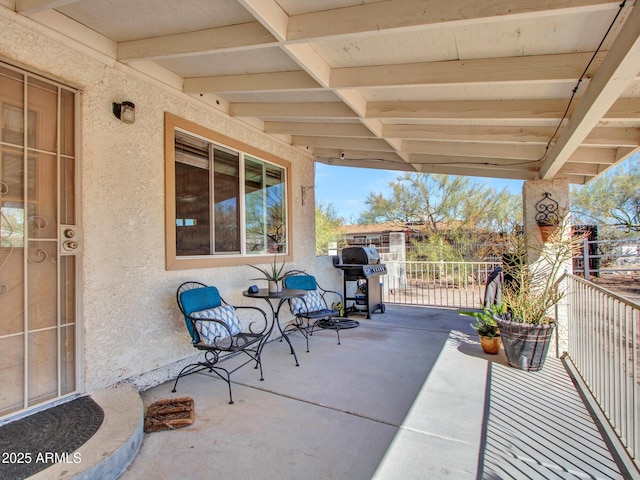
253,326
340,296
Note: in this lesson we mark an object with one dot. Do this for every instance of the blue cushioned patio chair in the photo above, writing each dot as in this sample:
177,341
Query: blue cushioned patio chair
215,328
312,310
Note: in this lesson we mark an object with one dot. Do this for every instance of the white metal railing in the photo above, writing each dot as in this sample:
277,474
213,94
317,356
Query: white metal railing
603,346
440,284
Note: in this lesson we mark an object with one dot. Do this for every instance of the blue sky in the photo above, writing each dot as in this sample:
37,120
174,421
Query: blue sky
347,188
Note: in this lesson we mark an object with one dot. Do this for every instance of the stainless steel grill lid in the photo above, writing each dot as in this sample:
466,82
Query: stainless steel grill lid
360,256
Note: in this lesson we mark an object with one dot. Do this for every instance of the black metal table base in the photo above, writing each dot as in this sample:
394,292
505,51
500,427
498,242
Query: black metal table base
340,324
282,297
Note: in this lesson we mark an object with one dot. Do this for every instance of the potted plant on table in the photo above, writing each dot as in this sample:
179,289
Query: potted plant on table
274,275
530,295
487,327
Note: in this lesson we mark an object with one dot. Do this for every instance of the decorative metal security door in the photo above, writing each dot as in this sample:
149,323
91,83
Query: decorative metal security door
39,241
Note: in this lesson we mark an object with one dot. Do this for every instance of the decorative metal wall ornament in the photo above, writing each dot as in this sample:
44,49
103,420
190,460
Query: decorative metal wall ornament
547,217
547,209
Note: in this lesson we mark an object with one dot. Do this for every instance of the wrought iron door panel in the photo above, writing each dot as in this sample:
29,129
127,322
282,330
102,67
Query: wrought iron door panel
38,179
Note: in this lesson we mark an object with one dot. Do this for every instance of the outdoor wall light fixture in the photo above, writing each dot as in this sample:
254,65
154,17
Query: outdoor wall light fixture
125,112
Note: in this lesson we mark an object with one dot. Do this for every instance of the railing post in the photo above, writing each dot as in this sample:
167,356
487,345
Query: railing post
585,258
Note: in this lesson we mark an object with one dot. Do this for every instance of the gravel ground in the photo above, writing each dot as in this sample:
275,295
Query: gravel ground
626,285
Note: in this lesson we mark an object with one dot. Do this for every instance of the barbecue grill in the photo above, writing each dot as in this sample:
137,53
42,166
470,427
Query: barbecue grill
362,266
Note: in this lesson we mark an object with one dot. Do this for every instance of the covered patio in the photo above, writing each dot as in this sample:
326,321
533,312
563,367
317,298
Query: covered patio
542,91
408,394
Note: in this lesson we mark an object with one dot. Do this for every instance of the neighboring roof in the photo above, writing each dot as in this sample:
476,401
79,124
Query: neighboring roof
461,87
387,227
373,228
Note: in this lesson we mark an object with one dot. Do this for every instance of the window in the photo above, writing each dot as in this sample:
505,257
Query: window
226,201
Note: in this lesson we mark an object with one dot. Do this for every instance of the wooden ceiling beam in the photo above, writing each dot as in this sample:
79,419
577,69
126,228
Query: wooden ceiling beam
613,137
601,156
537,68
367,163
395,15
291,110
272,25
624,109
581,169
30,7
470,133
254,82
270,15
273,18
486,162
480,171
343,143
470,109
475,149
527,109
333,129
601,136
358,154
619,68
202,42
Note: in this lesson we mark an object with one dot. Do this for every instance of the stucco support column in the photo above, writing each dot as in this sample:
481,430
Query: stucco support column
395,261
532,193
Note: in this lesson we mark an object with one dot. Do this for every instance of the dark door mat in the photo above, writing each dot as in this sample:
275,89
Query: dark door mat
42,439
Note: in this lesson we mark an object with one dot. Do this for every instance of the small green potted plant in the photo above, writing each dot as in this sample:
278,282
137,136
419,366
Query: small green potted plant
274,275
487,327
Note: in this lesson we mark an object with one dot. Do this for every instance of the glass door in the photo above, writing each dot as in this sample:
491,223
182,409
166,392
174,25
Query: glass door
39,241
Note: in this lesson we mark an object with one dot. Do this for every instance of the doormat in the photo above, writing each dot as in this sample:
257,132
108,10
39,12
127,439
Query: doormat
169,414
44,438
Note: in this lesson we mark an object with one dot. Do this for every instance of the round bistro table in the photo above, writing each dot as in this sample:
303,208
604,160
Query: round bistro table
282,296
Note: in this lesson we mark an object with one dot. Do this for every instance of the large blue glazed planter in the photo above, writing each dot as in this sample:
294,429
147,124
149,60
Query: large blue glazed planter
525,345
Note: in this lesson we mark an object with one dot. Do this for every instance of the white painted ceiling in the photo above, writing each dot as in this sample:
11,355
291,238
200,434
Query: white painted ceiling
462,87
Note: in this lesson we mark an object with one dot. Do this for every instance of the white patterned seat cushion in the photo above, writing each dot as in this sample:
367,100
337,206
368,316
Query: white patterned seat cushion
212,331
311,302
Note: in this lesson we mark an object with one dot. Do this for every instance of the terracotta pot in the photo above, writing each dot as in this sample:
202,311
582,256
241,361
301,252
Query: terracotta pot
490,345
546,231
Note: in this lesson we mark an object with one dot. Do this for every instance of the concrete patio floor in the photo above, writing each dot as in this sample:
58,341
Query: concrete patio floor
408,395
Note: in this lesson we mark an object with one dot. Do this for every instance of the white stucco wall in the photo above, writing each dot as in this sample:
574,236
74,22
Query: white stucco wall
129,321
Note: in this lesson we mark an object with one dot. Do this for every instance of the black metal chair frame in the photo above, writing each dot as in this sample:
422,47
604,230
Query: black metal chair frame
248,342
327,318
